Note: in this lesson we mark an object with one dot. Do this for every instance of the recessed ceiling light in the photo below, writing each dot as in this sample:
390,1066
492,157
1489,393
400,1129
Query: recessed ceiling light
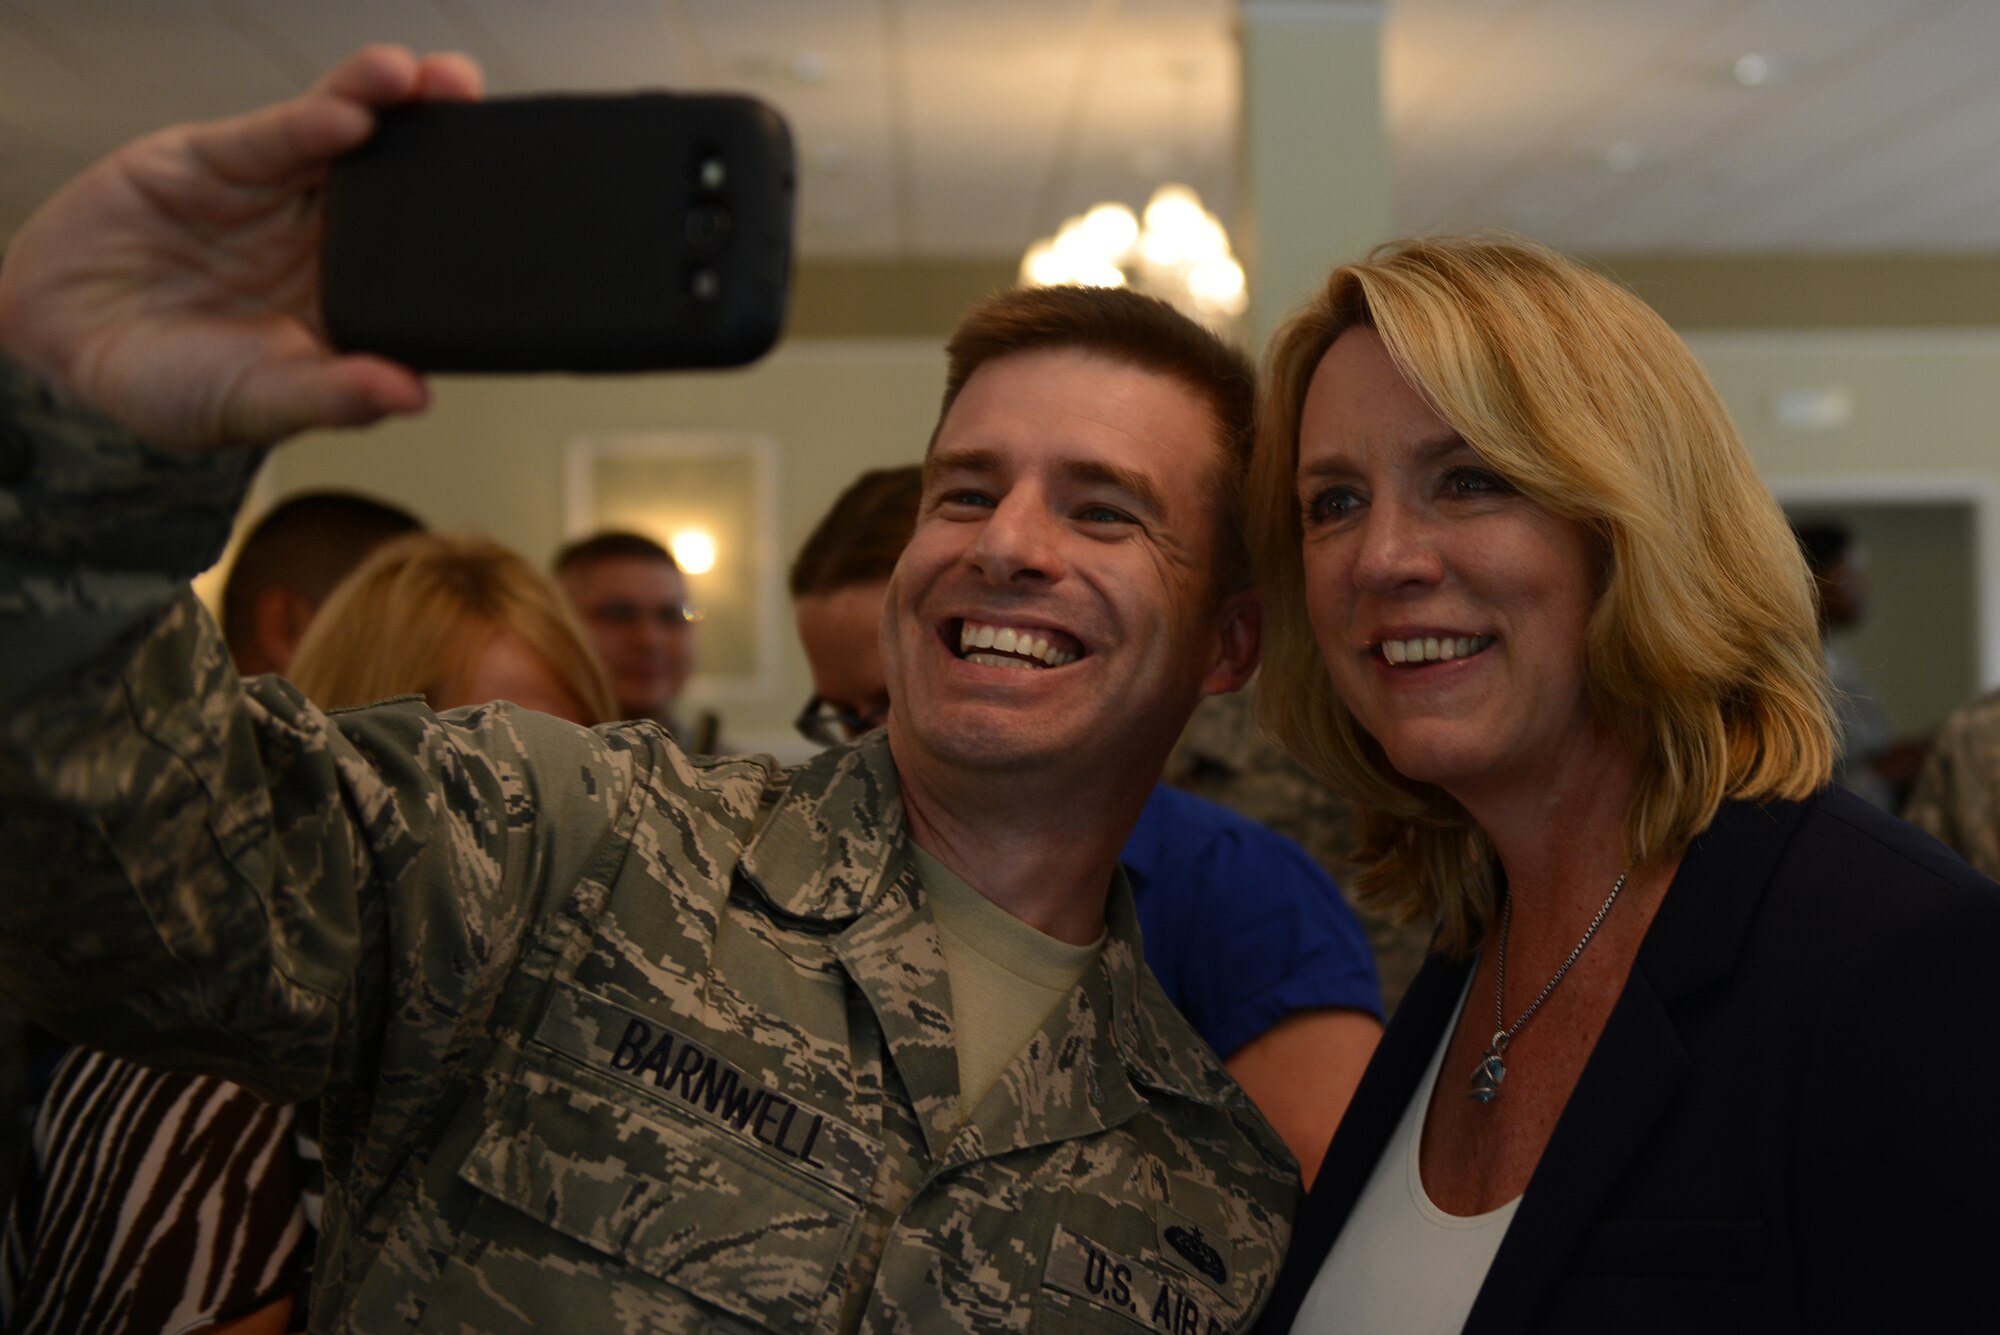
1621,155
1752,70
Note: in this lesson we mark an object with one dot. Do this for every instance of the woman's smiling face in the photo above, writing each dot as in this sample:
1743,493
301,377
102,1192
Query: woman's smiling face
1451,609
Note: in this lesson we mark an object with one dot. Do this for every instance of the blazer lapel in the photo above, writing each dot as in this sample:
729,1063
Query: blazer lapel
1639,1061
1384,1092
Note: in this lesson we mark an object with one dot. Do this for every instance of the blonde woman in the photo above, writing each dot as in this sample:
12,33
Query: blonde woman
458,620
1703,1043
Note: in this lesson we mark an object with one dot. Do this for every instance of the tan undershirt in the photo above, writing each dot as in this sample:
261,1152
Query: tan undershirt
1005,976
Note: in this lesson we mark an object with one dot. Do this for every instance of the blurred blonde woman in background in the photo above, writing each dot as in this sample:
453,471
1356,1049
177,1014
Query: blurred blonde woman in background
110,1229
459,620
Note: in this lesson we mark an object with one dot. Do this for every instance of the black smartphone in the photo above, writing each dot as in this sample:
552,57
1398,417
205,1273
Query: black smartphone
634,232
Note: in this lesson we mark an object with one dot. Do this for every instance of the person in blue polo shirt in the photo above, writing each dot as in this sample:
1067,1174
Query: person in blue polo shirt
1248,936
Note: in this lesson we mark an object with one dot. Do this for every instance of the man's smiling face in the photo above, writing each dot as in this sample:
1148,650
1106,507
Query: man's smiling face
1056,603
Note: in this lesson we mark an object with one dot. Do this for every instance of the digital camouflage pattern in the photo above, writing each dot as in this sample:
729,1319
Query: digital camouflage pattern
608,1039
1221,756
1957,797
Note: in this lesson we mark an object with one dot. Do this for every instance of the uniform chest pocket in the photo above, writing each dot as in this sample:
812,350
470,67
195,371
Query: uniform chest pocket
677,1200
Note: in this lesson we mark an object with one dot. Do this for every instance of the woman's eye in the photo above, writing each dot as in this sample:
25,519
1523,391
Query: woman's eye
1477,482
1331,504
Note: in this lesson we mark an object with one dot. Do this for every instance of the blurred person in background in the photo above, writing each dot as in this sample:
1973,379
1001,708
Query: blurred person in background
1250,938
1957,794
288,563
156,1201
633,600
1873,763
458,620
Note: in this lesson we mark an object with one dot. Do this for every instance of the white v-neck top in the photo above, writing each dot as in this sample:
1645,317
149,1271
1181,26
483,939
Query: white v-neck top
1401,1266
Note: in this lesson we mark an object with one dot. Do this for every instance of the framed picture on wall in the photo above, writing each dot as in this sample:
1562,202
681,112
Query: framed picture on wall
711,499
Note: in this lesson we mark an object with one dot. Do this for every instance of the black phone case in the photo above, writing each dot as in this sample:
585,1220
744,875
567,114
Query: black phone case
586,233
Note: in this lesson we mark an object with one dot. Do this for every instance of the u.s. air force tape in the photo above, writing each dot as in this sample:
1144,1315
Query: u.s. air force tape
644,1054
1154,1298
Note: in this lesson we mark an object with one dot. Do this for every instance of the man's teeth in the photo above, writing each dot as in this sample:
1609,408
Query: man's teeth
1434,648
1011,647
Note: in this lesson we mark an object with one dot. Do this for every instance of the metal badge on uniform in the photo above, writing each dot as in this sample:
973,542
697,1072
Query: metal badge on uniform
1202,1252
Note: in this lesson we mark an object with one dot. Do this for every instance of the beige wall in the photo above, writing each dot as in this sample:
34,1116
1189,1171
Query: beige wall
1925,404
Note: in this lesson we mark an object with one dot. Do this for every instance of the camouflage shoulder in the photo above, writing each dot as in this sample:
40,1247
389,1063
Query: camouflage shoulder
1171,1055
99,531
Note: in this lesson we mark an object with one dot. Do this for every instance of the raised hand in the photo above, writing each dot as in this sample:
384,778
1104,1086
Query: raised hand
174,285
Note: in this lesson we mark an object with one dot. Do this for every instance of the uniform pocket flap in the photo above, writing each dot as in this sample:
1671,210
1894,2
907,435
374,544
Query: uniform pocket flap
675,1200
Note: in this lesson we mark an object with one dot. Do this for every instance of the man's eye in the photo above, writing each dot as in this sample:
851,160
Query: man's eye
974,499
1103,514
616,614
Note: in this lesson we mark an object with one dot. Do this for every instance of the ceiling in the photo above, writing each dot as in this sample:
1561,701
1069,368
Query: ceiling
936,129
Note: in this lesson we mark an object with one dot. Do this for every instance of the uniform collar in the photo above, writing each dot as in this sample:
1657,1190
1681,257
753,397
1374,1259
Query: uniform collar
833,837
834,844
1159,1047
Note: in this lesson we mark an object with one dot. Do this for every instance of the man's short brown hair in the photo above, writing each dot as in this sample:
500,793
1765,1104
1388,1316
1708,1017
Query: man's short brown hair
307,543
858,540
1142,332
610,545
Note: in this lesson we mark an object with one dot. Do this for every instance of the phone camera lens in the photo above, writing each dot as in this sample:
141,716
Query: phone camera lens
705,284
711,173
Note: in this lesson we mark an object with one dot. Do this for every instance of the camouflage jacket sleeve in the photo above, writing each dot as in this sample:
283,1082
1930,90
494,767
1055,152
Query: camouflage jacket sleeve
1957,797
219,877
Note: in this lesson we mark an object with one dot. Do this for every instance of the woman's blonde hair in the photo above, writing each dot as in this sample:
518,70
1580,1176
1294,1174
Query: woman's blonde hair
1703,647
414,618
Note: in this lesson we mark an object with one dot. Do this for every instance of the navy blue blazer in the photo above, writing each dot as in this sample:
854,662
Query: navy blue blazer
1790,1123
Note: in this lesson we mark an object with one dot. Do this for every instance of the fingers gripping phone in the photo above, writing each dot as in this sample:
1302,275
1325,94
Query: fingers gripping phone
578,233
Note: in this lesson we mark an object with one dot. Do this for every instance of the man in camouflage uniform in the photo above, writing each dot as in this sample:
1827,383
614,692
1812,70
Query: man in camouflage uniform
1222,757
1957,797
607,1038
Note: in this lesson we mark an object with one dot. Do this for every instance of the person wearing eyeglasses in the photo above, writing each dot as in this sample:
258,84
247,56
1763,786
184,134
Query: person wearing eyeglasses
632,598
1249,936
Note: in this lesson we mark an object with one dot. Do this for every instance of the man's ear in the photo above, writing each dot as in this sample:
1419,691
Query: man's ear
1240,642
279,617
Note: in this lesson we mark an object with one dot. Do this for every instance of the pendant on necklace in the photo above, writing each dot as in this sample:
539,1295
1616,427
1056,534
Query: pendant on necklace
1486,1076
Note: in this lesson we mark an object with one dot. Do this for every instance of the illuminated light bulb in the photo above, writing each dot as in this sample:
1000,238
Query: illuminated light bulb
1181,255
694,550
1076,247
1172,207
1218,285
1102,273
1162,249
1112,229
1041,266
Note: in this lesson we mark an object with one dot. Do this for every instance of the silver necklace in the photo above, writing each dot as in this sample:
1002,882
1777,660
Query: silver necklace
1492,1068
